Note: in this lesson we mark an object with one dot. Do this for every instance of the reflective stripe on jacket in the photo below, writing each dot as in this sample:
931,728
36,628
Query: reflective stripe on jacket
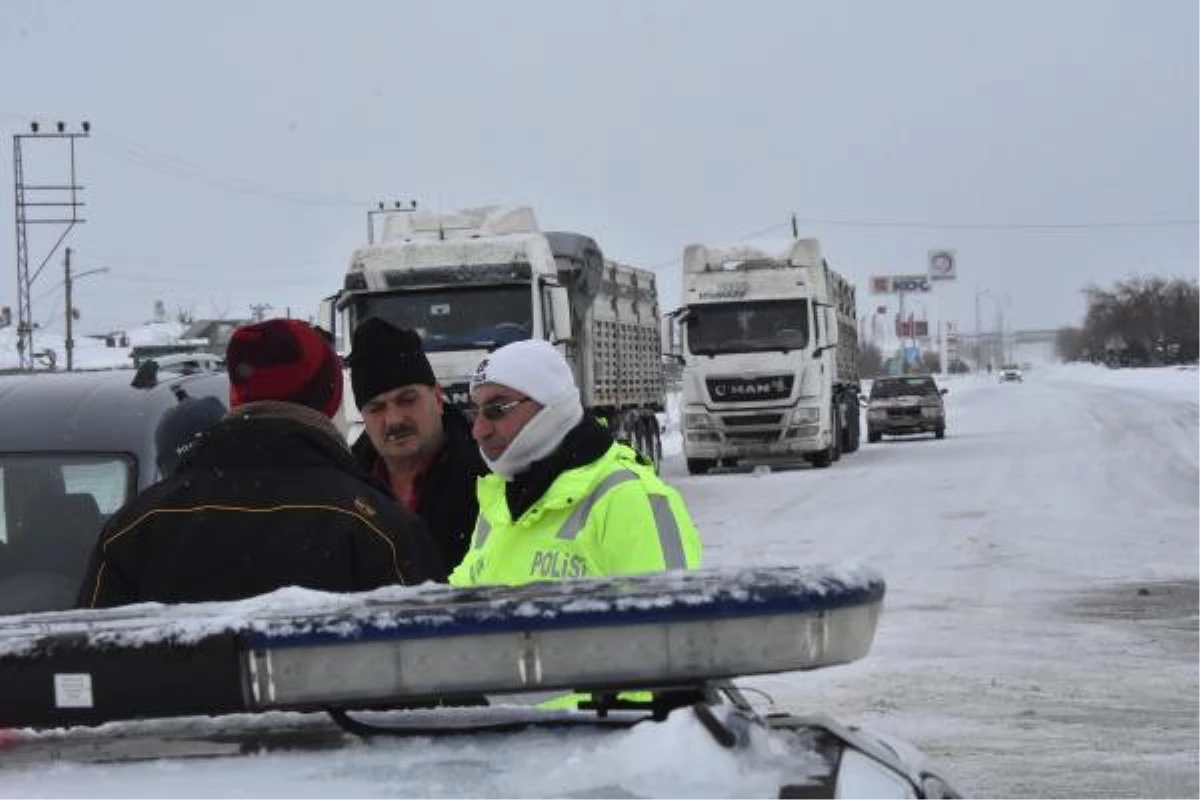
611,517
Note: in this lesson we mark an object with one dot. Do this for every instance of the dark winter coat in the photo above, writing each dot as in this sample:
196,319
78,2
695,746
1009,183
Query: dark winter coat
270,497
446,501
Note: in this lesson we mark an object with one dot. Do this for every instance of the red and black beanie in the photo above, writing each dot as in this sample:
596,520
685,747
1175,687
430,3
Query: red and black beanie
283,359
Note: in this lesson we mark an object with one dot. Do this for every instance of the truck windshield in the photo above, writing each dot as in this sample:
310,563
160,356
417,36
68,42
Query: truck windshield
748,327
456,319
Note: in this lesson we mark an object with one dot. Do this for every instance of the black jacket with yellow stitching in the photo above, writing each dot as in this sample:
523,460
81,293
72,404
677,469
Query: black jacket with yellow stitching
261,502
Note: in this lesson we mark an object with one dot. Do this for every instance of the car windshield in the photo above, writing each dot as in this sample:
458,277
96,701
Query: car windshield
51,510
457,319
903,387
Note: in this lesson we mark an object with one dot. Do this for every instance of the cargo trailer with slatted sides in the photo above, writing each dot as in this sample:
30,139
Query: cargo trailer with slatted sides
472,281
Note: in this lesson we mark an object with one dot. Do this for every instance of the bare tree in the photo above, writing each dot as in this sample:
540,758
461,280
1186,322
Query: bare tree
1142,320
870,360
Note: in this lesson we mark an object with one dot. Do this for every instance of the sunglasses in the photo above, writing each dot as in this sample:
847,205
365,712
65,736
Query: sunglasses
493,411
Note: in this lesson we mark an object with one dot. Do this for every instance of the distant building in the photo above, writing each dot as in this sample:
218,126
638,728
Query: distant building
202,336
216,331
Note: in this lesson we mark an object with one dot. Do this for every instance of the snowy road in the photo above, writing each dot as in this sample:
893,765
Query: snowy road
1039,637
1040,632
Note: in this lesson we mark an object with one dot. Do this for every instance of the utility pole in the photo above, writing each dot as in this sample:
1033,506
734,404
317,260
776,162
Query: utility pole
40,204
68,284
70,309
978,343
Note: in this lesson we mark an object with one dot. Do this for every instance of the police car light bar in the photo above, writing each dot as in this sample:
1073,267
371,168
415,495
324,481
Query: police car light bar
403,646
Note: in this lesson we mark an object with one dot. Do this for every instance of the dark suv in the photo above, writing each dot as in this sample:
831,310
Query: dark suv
905,404
73,449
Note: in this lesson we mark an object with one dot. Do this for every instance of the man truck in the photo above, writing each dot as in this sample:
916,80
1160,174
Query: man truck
472,281
768,344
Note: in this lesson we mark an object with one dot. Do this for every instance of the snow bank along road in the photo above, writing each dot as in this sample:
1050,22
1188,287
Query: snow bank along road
1039,636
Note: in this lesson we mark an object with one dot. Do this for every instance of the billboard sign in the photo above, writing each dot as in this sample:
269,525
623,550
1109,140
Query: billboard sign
893,284
912,328
943,265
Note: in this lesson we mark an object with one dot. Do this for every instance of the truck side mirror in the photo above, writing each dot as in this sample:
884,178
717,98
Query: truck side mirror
327,319
560,313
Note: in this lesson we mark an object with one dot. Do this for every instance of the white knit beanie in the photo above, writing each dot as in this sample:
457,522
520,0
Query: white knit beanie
531,366
534,368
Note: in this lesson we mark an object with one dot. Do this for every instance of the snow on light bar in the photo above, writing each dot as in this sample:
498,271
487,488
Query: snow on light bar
297,649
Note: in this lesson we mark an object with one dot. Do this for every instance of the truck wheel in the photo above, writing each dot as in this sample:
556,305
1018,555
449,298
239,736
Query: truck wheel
940,433
873,437
835,436
656,438
699,466
820,460
649,443
853,433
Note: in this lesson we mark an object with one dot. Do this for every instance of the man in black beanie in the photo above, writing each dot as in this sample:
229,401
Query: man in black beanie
415,442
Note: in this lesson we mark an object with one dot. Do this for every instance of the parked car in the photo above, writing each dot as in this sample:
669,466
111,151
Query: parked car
905,404
1011,373
74,448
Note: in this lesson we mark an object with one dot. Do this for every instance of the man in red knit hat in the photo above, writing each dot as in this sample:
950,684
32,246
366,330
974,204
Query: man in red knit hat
268,497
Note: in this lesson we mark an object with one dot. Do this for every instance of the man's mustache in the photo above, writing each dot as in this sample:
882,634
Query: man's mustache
398,431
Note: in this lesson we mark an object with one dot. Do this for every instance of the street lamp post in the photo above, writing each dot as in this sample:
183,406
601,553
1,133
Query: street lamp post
996,345
68,281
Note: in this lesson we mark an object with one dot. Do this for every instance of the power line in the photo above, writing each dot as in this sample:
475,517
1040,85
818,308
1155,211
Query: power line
751,235
119,262
176,165
1173,223
1001,225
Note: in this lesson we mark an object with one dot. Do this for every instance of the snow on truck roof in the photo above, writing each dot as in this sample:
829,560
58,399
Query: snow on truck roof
469,223
801,252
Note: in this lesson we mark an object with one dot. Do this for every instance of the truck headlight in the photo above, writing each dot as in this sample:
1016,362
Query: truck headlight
695,421
805,414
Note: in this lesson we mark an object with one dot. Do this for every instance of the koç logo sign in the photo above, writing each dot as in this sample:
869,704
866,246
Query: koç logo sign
891,284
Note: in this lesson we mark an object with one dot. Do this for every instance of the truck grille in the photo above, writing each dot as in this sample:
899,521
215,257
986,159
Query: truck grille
752,419
752,437
742,390
904,413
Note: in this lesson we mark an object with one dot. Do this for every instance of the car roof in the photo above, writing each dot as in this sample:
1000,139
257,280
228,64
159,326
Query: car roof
903,378
94,411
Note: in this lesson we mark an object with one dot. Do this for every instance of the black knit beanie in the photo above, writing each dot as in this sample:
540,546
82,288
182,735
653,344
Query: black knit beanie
182,426
384,357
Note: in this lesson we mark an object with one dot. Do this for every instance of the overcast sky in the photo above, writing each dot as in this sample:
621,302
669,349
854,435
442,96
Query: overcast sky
236,146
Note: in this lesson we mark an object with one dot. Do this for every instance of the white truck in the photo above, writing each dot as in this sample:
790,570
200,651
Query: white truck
472,281
769,350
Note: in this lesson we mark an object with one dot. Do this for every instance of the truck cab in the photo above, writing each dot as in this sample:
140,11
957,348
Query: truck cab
764,370
478,279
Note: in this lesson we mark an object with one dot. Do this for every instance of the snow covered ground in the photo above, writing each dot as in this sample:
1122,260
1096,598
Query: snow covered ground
89,353
1017,647
1039,636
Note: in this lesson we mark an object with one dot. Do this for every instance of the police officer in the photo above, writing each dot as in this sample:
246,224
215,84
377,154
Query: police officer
564,499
